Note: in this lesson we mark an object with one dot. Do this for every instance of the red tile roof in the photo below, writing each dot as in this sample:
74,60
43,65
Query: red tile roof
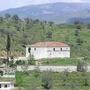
49,44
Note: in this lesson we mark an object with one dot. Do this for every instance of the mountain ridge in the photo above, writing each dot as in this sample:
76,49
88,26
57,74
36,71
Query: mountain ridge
56,12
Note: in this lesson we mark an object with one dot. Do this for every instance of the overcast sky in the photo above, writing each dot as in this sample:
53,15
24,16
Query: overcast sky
6,4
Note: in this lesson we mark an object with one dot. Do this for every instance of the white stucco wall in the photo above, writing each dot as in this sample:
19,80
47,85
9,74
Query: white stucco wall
10,86
40,52
65,52
49,52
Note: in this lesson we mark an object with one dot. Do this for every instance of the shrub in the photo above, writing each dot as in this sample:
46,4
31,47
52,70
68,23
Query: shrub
31,60
81,67
1,73
20,62
11,64
47,80
85,82
76,32
65,77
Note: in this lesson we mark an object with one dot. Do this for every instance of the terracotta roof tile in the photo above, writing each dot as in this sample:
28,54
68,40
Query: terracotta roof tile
49,44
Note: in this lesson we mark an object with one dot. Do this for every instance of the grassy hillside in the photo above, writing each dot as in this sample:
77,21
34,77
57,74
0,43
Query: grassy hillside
28,31
56,81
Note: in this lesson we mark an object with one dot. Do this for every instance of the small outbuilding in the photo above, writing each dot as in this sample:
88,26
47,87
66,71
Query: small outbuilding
6,86
42,50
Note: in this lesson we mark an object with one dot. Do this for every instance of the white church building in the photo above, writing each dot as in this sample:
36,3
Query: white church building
42,50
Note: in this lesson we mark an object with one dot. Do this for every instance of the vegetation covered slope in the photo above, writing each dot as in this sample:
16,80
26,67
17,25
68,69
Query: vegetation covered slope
28,31
53,81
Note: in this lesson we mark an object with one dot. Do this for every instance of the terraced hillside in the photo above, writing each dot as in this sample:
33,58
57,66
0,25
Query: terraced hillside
28,31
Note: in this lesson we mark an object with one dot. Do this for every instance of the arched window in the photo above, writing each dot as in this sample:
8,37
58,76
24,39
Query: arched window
29,50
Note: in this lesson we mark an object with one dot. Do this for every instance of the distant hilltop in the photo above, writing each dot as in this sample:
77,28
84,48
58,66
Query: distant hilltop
56,12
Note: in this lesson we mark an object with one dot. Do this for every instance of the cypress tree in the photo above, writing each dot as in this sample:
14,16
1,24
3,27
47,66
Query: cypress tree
8,45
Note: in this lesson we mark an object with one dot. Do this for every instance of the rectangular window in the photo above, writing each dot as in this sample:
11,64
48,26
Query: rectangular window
53,49
34,49
29,50
61,49
0,85
5,86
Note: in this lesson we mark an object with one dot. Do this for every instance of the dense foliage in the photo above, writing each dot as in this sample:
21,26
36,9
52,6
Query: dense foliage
53,81
28,31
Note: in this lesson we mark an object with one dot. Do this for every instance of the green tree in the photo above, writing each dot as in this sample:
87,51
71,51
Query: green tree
31,60
65,77
79,41
26,20
49,34
1,19
7,16
8,46
78,25
15,19
8,20
1,73
77,33
88,26
86,82
28,23
51,23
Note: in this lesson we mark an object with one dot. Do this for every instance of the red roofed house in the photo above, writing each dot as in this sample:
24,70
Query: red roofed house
48,50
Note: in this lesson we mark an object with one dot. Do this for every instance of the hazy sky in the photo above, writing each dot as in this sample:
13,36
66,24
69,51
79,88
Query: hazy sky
5,4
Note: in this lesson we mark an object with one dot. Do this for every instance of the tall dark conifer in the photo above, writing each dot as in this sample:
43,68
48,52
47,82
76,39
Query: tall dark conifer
8,45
